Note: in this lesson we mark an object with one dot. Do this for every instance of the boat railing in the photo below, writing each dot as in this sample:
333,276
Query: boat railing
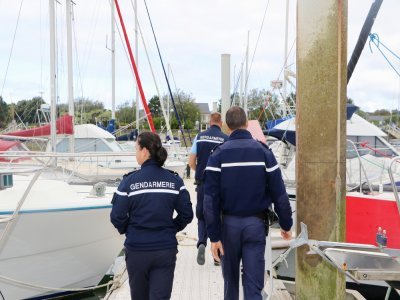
392,181
353,146
367,167
87,167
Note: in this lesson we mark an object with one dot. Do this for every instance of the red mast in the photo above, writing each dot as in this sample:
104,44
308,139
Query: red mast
139,83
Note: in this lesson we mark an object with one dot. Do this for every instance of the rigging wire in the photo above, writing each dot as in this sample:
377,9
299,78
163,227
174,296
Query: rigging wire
180,103
258,39
236,84
12,47
41,49
169,131
89,41
374,38
166,77
79,79
122,40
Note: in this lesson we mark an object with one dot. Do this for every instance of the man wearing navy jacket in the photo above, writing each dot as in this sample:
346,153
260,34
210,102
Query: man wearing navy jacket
202,146
241,181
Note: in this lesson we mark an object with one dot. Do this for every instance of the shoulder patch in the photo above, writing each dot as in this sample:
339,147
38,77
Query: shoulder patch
172,172
264,145
127,174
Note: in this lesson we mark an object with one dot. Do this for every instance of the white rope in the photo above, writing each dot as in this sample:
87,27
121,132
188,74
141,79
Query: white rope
115,283
33,285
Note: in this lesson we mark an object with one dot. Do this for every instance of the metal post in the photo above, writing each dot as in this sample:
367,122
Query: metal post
71,108
53,75
225,84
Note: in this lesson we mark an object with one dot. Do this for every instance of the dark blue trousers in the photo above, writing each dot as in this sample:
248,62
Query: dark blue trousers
201,224
151,273
243,238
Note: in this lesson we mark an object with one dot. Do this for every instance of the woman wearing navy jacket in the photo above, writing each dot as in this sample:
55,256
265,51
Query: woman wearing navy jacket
143,208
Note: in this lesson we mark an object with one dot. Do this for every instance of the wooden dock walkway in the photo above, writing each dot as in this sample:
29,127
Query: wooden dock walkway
191,281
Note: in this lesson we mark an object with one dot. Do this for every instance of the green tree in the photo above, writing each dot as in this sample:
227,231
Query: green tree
155,107
5,116
264,106
27,109
188,111
126,113
381,112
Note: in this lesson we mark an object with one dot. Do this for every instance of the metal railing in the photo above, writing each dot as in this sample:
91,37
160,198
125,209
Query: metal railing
394,186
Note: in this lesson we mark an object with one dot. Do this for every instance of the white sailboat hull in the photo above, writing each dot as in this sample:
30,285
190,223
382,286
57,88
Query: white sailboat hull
61,237
60,248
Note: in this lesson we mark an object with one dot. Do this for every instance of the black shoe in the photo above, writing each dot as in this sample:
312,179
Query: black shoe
201,254
217,263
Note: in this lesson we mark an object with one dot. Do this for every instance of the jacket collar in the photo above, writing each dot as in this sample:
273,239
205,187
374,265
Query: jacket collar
149,162
215,127
240,134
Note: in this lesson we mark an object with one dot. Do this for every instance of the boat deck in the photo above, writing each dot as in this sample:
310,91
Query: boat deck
191,280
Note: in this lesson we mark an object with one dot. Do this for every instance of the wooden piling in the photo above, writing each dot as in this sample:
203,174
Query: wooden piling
321,140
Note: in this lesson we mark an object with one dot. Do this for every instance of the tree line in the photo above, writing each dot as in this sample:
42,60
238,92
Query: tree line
263,105
30,112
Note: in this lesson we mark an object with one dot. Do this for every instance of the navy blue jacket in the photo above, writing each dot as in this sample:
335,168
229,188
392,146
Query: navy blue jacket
206,141
143,208
242,178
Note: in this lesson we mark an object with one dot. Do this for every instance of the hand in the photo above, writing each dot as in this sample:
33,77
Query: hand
286,235
217,250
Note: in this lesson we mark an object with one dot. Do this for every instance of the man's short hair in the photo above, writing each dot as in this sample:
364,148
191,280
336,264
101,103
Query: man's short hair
215,118
236,118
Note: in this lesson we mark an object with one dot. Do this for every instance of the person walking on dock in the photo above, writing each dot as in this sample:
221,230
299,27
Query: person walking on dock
143,209
202,146
241,181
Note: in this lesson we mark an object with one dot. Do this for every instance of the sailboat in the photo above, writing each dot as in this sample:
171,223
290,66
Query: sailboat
55,236
55,233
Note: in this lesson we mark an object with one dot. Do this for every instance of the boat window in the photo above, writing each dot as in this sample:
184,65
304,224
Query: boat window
84,145
114,145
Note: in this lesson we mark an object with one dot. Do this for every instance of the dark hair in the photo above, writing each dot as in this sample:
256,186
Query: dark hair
235,118
152,142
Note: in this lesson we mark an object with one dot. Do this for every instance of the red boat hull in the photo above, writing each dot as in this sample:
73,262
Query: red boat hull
365,214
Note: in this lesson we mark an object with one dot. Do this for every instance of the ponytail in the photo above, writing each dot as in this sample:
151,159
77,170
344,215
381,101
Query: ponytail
152,142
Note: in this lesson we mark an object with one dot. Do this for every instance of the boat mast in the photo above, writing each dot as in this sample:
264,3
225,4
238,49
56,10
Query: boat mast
241,86
137,60
53,82
71,111
285,70
362,39
138,82
112,62
246,75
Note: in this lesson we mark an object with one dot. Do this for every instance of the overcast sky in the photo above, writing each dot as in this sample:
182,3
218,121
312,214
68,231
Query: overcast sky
192,35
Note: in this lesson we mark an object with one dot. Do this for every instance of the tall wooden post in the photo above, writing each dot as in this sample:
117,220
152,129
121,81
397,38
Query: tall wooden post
321,140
